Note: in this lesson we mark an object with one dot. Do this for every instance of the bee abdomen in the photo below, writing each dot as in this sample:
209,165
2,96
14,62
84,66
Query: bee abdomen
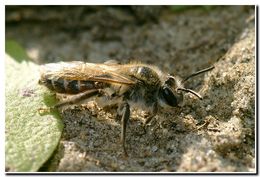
71,86
77,86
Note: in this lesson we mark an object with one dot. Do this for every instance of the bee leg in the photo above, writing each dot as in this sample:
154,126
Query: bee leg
148,120
154,112
124,120
80,97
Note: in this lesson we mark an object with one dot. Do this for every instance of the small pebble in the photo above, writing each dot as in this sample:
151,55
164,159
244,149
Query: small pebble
154,148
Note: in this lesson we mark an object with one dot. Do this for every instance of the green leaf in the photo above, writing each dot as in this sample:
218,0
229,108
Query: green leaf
30,138
15,50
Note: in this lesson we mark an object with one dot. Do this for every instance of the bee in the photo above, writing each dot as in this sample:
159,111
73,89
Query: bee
124,86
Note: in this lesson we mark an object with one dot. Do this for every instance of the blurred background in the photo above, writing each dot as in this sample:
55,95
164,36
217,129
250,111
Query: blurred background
176,38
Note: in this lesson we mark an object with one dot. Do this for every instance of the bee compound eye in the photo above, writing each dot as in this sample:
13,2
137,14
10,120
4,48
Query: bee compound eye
169,97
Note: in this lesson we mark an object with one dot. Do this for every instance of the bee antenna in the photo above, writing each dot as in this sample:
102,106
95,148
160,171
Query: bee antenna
190,91
197,73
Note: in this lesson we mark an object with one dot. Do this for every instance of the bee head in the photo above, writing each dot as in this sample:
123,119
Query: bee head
171,92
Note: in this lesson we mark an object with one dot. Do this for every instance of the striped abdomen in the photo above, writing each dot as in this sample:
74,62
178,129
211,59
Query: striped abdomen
71,86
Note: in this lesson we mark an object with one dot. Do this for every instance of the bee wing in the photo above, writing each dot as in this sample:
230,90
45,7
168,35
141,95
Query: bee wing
88,71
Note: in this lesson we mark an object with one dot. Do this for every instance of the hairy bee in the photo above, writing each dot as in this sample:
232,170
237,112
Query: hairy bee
125,86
